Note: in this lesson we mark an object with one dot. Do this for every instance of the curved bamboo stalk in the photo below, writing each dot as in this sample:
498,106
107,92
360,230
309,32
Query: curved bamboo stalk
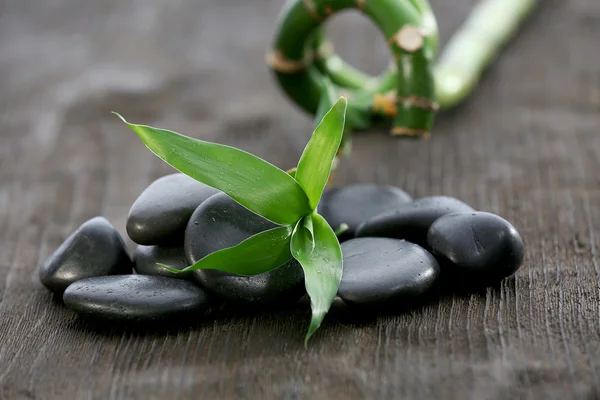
293,60
411,90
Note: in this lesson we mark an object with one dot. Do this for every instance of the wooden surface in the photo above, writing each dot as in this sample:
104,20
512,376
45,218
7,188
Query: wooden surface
526,146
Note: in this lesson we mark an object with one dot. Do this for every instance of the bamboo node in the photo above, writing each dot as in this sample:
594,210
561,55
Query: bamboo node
408,38
385,103
277,61
419,102
312,10
410,132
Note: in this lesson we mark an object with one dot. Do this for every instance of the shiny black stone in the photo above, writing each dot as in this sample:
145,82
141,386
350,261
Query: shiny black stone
220,222
382,270
135,298
145,260
411,221
355,204
96,248
161,213
477,248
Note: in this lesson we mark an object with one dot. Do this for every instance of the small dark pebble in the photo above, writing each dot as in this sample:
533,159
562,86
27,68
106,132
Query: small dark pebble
95,249
160,214
411,221
135,298
145,260
381,270
220,222
355,204
476,249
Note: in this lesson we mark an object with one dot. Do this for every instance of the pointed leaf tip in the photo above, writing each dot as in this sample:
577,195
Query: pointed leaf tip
173,270
322,267
316,162
120,116
315,323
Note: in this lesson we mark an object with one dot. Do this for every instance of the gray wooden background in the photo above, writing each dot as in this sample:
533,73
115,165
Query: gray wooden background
526,146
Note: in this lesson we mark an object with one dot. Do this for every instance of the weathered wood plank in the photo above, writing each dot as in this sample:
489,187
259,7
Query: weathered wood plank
525,146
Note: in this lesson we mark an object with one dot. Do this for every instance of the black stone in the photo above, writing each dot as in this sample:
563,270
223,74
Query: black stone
476,249
411,221
356,203
383,271
220,222
95,249
145,259
160,214
134,298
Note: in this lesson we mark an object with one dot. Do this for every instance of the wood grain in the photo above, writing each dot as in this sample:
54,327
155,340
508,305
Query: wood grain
525,146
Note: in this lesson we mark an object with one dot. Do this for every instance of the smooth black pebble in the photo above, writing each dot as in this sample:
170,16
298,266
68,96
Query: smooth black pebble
95,249
382,270
355,204
145,259
476,249
134,298
411,221
220,222
161,213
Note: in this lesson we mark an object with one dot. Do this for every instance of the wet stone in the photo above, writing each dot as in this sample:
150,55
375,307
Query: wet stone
135,298
161,213
383,271
220,222
411,221
476,249
355,204
146,259
95,249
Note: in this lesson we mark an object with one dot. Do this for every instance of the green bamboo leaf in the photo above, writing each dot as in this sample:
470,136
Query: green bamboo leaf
307,225
254,183
322,268
303,236
316,161
260,253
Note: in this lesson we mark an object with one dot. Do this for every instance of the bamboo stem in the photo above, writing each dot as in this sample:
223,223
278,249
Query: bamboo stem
491,24
301,69
413,88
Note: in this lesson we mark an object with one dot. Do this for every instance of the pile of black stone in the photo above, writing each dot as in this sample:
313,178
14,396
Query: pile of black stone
395,249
